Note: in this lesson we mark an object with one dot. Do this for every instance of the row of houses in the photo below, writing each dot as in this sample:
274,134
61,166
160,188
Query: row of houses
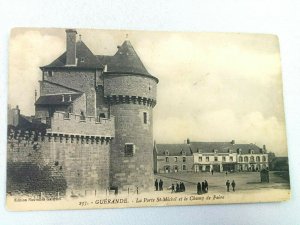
208,157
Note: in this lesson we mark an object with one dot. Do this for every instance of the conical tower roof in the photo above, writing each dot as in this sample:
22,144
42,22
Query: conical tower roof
127,61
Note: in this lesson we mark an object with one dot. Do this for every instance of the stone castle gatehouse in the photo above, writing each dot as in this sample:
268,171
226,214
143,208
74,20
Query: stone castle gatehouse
98,113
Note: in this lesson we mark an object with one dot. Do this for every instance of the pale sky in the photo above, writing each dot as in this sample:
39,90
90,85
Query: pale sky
213,86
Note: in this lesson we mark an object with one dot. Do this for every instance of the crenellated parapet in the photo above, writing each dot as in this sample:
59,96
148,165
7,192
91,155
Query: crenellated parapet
70,126
76,139
34,140
122,99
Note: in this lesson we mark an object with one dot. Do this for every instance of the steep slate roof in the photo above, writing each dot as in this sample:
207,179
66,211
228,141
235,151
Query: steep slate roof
207,147
173,149
104,59
82,52
126,60
56,99
224,147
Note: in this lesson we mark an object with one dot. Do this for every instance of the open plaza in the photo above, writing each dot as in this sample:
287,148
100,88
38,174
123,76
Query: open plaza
245,181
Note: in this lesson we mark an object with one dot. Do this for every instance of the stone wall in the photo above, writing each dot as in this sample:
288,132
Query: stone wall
137,170
47,88
76,125
130,85
82,80
79,105
81,161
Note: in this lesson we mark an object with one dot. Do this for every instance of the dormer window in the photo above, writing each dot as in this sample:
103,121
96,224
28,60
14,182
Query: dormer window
183,153
215,151
48,73
199,150
81,59
166,152
230,151
240,151
251,151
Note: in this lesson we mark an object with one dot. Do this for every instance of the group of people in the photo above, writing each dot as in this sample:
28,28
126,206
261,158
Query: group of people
178,188
232,185
202,187
158,185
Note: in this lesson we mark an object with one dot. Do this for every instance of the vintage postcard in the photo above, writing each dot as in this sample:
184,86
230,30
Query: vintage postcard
113,119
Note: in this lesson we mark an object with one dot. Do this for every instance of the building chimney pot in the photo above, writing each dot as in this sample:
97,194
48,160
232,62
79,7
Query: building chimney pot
188,141
62,98
70,98
71,47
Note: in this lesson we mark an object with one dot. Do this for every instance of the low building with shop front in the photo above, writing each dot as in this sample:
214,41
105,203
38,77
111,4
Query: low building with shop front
209,156
173,158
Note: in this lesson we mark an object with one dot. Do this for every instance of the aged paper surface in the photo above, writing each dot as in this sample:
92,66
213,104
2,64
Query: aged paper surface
112,119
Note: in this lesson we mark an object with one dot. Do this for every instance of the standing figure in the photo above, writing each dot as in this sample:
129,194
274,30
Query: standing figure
206,186
161,185
156,185
212,172
180,187
177,187
203,187
173,188
183,187
198,188
233,185
228,185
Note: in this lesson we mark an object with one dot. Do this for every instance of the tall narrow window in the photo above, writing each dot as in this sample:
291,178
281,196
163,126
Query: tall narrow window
183,159
145,118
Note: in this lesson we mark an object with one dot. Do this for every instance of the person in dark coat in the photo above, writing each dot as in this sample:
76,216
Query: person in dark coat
203,187
173,188
206,186
233,185
161,185
198,188
228,185
212,172
156,185
183,187
177,187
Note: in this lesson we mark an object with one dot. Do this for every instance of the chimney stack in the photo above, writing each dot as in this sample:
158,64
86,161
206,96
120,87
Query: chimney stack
62,98
233,142
71,47
70,98
188,141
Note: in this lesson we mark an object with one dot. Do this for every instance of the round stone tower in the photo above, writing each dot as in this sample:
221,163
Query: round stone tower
130,92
